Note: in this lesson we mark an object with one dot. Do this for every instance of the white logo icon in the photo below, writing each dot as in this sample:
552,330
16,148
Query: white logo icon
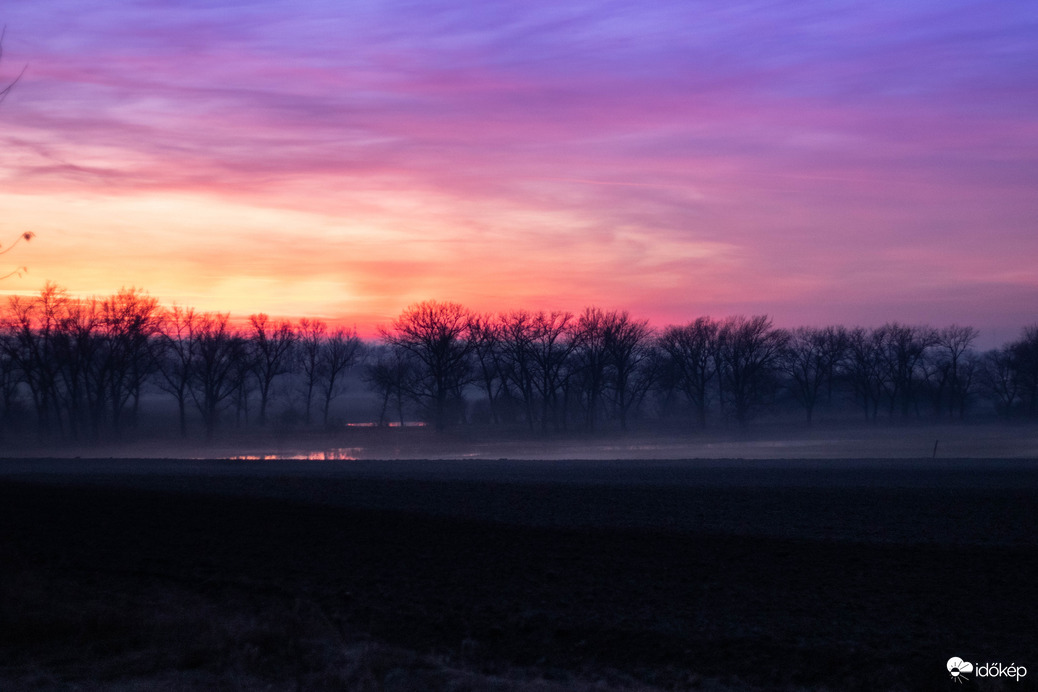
956,666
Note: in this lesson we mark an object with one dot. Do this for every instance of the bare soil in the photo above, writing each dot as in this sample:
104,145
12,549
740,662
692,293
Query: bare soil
509,575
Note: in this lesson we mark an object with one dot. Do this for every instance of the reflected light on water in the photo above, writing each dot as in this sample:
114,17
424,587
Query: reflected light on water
340,454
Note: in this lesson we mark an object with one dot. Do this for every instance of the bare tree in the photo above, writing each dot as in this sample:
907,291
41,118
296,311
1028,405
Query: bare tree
34,324
10,374
311,337
436,335
948,372
629,353
485,334
749,351
902,353
690,353
390,373
81,364
176,357
864,369
270,347
998,377
1025,360
590,361
518,333
216,350
550,348
130,320
340,352
810,360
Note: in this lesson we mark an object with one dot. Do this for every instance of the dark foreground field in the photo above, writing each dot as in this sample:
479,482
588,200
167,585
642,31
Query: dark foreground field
482,575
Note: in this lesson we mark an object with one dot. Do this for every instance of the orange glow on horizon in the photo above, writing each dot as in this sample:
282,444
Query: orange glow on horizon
736,163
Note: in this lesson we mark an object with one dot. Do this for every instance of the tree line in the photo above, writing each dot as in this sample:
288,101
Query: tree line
558,370
79,367
82,365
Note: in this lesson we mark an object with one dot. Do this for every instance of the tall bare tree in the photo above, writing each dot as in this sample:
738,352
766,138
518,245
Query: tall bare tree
552,344
10,375
948,371
270,347
130,321
1025,360
903,350
34,325
216,351
810,360
518,333
998,376
311,336
690,351
590,362
341,351
436,335
389,372
176,357
486,334
862,369
629,353
749,351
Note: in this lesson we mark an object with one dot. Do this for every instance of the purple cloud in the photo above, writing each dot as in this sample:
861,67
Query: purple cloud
783,154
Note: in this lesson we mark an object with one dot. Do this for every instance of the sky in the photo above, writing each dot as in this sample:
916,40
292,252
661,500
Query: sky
818,161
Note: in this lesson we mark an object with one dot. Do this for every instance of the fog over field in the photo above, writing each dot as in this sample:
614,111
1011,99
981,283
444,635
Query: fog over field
766,441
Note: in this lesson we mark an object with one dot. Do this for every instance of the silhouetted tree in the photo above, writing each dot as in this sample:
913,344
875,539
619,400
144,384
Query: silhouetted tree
129,321
486,335
518,332
311,337
1025,360
10,375
81,364
436,335
628,348
998,377
552,343
865,368
749,352
903,351
34,325
810,360
270,353
948,372
690,353
590,361
389,373
216,351
176,357
340,352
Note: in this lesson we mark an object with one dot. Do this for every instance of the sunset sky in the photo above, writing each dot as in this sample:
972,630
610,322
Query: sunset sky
822,162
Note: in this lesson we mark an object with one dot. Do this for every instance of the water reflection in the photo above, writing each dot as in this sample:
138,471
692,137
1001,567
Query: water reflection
339,454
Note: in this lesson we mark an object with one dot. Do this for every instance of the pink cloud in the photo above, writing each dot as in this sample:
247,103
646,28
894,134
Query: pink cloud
861,159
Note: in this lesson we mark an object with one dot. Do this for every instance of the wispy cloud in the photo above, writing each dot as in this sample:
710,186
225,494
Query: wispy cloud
682,157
